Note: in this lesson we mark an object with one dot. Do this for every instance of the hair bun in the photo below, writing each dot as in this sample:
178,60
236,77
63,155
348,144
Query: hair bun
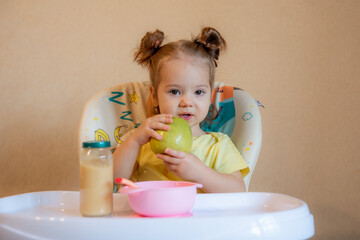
212,42
149,45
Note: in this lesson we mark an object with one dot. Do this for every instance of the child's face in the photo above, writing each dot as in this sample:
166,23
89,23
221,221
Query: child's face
184,91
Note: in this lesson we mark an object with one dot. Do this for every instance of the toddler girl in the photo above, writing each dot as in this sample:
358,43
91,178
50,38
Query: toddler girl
182,79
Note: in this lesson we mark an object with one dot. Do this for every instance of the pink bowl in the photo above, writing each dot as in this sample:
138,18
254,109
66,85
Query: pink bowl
162,198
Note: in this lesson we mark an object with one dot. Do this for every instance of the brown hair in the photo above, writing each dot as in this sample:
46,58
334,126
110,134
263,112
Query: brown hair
206,46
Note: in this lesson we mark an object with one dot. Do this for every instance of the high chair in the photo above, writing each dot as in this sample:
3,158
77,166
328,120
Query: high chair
113,112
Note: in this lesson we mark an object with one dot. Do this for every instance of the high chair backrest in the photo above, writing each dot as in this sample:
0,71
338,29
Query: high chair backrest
112,112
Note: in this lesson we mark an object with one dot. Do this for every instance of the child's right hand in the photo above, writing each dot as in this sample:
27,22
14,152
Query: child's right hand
147,129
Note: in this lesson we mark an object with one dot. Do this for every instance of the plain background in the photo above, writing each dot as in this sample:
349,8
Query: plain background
299,58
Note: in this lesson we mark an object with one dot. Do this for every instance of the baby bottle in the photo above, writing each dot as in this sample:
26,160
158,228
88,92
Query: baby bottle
96,179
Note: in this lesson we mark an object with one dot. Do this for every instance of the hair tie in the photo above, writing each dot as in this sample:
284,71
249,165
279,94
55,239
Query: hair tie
202,43
156,44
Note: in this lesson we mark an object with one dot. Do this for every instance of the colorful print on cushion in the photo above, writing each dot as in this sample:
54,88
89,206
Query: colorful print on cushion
225,119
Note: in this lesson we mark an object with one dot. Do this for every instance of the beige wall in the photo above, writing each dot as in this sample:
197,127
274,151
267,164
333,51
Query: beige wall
300,58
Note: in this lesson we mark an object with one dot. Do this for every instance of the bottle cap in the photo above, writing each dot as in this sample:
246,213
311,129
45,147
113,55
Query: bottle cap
96,144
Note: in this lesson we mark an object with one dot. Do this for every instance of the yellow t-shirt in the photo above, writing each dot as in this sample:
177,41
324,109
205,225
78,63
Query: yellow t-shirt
214,149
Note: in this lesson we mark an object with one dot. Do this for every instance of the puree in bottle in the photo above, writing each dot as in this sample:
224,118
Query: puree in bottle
96,181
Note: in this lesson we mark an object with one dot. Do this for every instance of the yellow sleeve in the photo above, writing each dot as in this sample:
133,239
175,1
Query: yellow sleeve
229,159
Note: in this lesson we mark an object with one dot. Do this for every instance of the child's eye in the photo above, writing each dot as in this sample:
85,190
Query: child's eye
199,92
174,92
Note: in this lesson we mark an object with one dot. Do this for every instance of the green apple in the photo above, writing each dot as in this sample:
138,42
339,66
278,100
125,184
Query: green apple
179,137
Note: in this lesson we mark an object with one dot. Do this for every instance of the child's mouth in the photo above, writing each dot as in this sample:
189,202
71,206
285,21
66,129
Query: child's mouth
186,117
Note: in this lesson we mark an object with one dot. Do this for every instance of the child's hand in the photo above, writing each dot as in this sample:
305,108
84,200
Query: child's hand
184,165
147,129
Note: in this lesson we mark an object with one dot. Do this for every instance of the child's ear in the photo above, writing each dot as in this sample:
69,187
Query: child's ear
154,98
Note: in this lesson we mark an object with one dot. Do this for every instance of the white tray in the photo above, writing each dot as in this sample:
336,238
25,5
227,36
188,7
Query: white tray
55,215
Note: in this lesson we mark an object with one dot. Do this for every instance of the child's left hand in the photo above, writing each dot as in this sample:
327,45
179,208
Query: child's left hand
184,165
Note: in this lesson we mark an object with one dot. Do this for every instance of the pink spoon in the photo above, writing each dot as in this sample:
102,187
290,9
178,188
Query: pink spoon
126,182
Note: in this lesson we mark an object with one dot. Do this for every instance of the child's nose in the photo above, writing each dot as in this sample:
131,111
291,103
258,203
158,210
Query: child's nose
186,101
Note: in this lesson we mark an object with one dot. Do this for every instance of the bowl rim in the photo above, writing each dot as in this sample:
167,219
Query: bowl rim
187,184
